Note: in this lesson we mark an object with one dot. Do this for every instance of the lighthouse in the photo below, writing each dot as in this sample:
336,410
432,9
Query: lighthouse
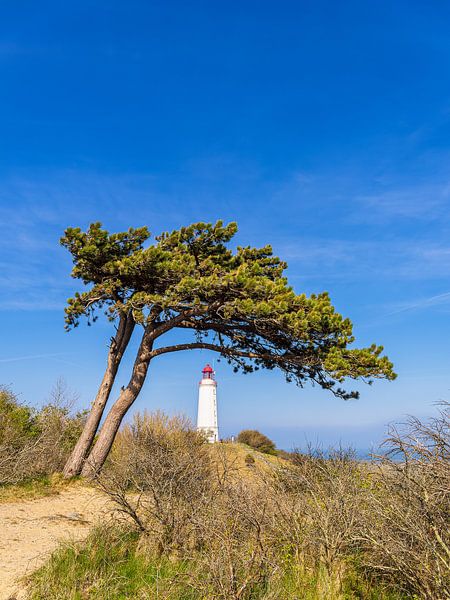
207,405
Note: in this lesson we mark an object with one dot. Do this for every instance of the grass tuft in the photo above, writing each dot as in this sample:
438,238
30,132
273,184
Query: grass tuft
32,489
107,566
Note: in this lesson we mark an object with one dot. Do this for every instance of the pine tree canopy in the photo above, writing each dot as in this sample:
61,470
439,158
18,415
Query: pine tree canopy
234,301
97,257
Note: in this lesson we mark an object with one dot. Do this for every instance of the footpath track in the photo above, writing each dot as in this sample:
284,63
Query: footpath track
30,530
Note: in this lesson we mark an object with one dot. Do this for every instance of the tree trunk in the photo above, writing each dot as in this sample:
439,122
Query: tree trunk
110,427
118,346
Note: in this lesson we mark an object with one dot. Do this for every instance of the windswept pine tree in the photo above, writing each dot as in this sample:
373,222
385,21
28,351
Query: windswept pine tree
98,262
237,303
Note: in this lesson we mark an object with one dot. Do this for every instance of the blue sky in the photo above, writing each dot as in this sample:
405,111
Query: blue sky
321,127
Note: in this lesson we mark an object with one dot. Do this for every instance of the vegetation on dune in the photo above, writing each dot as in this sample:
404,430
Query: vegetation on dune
35,443
257,440
195,525
236,302
110,565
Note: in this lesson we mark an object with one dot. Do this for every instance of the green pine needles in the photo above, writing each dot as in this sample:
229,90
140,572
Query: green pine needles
237,303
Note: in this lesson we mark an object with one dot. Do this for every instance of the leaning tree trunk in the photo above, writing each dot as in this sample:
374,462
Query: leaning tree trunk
118,346
110,427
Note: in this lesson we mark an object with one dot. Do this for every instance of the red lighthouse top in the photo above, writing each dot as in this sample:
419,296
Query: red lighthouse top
208,372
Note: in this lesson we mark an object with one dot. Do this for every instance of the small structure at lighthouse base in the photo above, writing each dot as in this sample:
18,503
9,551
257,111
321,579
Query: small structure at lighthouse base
207,406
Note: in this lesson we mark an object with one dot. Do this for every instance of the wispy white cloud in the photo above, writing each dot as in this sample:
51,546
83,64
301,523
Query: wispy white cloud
363,259
425,202
29,304
34,211
31,357
341,235
424,303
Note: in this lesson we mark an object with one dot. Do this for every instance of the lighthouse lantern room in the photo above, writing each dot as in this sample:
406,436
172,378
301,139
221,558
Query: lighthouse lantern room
207,405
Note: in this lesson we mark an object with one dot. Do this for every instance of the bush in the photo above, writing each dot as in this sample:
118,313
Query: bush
318,499
257,440
17,422
249,460
36,443
168,464
239,553
406,530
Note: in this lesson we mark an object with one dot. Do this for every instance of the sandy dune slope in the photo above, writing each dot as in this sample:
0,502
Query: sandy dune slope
30,530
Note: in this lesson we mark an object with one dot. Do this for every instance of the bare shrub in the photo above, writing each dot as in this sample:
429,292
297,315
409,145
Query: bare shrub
238,555
318,499
159,474
407,531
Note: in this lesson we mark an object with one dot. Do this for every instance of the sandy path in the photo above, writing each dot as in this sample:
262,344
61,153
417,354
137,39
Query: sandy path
30,530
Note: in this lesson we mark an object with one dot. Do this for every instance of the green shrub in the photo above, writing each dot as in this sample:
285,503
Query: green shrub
257,440
17,421
36,443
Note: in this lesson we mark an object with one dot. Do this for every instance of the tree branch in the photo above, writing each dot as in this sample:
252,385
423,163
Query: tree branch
221,350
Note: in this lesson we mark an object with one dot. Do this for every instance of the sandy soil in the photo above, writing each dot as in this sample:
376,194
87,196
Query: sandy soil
31,530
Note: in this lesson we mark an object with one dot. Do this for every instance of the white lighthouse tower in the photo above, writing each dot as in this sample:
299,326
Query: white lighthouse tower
207,405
